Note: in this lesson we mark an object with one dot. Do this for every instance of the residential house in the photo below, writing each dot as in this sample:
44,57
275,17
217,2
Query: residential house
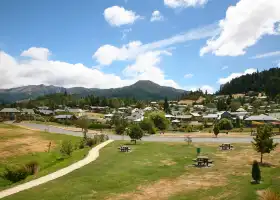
27,111
184,118
76,111
261,118
64,117
135,117
46,112
275,115
98,109
196,116
9,113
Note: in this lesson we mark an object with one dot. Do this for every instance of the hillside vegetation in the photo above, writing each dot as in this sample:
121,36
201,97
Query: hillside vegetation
267,81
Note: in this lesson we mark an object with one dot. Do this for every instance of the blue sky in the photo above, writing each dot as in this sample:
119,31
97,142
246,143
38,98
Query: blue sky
186,44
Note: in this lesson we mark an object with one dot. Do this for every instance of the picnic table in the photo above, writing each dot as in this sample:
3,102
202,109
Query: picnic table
202,161
124,149
226,146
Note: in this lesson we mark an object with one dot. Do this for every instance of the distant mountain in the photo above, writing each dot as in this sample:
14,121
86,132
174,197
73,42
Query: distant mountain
267,81
142,90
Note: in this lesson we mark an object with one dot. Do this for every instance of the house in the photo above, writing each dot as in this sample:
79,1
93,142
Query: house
224,114
27,111
135,117
98,109
240,115
210,117
108,116
196,116
183,118
59,110
43,108
65,117
275,115
46,112
262,118
240,110
76,111
9,113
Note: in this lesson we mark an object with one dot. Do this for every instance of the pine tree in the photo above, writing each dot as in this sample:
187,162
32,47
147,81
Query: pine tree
166,105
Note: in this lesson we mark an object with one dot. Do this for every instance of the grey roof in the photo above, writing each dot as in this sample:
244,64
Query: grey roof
46,112
10,110
63,116
195,114
183,116
28,111
261,118
210,116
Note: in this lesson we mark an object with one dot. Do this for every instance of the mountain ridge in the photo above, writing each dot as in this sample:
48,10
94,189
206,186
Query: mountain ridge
142,90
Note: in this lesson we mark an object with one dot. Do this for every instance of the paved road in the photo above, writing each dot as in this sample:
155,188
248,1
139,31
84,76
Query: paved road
92,155
145,138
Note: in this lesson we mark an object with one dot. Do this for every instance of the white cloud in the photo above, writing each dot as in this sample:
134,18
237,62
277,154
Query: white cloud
184,3
236,75
265,55
245,23
224,67
106,54
118,16
188,76
156,16
146,67
37,53
125,32
16,73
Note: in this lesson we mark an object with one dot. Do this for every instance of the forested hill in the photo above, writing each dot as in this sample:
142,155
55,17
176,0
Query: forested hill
267,81
141,90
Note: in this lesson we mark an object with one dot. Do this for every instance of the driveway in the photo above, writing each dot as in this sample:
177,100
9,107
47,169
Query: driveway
52,129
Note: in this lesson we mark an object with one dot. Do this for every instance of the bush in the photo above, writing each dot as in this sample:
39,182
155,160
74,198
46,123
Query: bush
15,173
216,130
66,148
148,126
32,167
159,120
256,172
269,195
99,126
225,124
119,129
81,144
90,142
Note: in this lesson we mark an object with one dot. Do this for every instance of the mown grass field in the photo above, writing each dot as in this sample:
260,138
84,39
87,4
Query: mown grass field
19,146
162,171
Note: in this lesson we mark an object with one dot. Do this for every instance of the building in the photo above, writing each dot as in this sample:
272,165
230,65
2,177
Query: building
9,113
184,118
261,118
65,117
46,112
27,111
76,111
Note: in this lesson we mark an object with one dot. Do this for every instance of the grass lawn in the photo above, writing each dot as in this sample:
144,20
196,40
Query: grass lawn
162,171
19,146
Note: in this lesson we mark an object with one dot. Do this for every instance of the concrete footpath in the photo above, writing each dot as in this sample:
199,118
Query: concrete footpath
92,155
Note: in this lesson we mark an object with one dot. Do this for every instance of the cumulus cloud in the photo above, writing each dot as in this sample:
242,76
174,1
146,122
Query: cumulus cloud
107,54
265,55
37,53
146,67
188,75
245,23
184,3
236,75
16,73
156,16
118,16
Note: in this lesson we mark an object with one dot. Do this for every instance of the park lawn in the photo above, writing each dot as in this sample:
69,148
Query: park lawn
161,171
19,146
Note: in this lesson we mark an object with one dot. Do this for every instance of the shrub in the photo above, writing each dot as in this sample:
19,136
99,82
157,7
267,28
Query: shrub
90,142
66,148
99,126
81,144
216,130
225,124
15,173
269,195
256,172
32,167
148,126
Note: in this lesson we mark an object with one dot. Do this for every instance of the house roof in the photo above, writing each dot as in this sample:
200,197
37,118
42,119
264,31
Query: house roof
75,110
195,114
109,115
210,116
29,111
169,116
183,116
10,110
240,110
63,116
175,121
46,112
261,118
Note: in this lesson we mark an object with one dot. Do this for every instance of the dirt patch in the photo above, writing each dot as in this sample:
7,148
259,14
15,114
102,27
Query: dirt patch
168,162
20,142
165,188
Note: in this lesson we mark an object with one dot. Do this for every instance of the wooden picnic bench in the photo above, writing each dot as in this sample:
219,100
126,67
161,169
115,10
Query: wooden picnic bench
226,146
202,161
124,149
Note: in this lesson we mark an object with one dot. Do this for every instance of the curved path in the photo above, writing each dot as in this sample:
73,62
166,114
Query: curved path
154,138
92,155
